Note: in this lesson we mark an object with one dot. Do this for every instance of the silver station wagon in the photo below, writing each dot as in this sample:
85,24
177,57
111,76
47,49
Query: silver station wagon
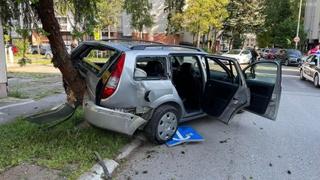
153,87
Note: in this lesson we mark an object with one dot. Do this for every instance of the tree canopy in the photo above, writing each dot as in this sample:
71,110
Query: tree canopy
140,13
200,15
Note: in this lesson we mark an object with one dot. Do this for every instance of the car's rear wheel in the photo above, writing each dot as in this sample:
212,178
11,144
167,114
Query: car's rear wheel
316,80
163,124
301,75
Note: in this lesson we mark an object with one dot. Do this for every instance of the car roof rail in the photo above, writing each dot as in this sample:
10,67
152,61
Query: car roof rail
128,40
143,47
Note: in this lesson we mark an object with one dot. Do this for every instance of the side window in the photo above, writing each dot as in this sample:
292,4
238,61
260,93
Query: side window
263,72
246,52
315,60
153,68
310,58
222,70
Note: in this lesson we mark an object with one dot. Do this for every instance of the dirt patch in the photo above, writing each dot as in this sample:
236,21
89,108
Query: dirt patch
29,171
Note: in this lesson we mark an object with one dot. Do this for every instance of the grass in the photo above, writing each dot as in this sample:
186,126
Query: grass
65,147
35,59
16,93
30,75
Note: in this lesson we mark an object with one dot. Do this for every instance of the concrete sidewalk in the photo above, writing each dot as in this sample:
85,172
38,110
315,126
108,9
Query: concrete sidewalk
11,108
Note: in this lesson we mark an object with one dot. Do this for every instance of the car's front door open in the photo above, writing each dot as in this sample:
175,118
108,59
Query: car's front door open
225,90
264,81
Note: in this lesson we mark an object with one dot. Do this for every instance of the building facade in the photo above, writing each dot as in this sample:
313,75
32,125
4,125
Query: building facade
312,21
157,32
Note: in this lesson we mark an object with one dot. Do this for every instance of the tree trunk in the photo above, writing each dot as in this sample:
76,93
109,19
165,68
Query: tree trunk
109,32
74,84
198,39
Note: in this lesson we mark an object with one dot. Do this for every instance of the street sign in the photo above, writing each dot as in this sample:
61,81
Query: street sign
184,134
296,39
97,34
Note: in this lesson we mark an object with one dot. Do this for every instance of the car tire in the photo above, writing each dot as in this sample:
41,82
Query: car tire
316,81
301,75
162,125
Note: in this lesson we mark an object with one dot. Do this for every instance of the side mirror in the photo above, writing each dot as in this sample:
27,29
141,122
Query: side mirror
312,63
139,73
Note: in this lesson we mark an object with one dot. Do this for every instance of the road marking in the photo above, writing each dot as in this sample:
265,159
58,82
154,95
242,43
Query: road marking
293,70
286,75
17,104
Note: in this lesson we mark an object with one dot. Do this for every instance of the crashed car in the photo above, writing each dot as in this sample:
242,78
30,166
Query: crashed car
154,87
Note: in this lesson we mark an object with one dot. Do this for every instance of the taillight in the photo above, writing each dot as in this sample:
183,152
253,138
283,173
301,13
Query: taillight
114,78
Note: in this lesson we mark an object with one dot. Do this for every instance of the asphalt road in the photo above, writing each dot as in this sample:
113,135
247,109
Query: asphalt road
250,147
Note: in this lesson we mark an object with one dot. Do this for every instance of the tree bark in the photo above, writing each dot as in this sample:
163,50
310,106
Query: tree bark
74,84
109,32
198,39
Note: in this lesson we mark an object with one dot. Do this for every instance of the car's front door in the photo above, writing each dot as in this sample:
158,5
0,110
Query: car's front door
264,81
313,66
225,90
307,67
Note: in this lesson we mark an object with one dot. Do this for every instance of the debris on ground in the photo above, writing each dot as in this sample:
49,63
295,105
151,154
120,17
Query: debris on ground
289,172
144,172
182,152
270,164
224,141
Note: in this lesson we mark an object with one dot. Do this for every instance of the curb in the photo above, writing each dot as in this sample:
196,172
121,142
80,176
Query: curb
96,172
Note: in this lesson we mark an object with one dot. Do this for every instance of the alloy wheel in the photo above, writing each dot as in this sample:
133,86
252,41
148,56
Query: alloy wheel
167,126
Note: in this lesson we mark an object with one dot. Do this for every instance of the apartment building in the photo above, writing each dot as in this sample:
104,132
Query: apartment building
312,21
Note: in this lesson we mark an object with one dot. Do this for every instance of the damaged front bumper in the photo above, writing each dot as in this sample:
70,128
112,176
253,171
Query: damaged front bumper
113,120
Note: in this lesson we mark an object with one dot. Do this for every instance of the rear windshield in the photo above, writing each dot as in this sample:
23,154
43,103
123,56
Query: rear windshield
294,52
96,58
234,51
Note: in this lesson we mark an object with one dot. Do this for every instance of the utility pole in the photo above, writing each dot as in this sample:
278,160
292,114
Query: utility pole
3,66
297,39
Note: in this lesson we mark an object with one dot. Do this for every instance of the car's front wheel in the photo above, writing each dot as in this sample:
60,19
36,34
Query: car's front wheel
301,75
163,124
316,80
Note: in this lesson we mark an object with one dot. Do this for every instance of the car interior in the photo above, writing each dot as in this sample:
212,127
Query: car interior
221,86
187,78
261,87
154,67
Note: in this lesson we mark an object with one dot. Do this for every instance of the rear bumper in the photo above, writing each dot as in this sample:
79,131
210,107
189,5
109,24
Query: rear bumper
109,119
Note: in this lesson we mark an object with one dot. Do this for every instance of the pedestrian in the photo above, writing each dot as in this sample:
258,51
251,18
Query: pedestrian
314,50
254,54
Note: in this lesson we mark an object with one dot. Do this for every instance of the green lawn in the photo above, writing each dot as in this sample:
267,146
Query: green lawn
65,147
35,59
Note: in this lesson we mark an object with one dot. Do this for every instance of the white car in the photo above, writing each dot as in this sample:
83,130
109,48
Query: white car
242,56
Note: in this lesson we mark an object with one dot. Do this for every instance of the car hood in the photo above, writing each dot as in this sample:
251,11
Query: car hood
294,56
236,56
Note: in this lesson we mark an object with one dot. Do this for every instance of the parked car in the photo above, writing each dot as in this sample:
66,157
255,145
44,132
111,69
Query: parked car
264,53
44,48
242,56
289,56
310,70
48,54
33,49
154,87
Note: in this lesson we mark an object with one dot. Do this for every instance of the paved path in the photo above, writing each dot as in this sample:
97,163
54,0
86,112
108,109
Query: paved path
10,111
